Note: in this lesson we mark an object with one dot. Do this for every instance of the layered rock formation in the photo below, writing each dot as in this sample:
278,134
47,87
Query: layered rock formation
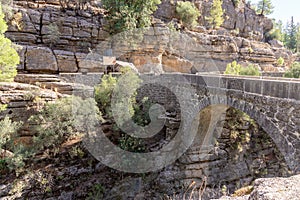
56,40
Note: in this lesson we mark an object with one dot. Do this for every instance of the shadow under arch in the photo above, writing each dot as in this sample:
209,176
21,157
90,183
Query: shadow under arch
216,110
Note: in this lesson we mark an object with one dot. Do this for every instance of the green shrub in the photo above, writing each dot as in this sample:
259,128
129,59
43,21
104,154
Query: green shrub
294,72
9,57
187,13
233,68
236,69
9,142
63,119
280,61
103,93
125,15
251,70
3,107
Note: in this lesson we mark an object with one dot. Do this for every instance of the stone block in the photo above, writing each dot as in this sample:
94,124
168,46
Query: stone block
40,59
66,61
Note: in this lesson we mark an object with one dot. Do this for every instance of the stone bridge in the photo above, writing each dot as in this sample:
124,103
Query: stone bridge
274,103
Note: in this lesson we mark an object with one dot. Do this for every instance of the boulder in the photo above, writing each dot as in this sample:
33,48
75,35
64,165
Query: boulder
276,188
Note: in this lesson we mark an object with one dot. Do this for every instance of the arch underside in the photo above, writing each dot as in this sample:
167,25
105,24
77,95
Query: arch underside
220,103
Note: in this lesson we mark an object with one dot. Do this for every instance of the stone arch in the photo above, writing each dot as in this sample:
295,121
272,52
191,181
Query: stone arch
220,103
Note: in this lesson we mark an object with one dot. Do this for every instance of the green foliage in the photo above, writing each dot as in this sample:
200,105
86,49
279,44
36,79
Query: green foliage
236,3
265,7
76,151
250,70
294,72
236,69
233,68
63,119
132,144
141,112
3,107
291,36
9,57
96,192
280,61
125,15
216,14
103,93
9,142
276,33
187,13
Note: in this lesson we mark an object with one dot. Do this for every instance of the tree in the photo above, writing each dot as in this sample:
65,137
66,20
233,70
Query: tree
129,14
265,7
9,57
188,13
291,35
276,33
216,14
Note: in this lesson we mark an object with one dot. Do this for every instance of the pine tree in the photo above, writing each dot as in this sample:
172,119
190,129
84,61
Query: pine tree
216,14
9,57
265,7
291,35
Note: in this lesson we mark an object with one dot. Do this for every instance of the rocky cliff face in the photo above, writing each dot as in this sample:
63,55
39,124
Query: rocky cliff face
56,41
238,17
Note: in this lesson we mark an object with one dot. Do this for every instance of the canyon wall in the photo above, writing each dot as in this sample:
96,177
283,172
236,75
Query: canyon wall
56,40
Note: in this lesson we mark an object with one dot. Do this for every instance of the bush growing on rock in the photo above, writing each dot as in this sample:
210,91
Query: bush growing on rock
187,13
233,68
250,70
216,14
125,15
280,61
236,69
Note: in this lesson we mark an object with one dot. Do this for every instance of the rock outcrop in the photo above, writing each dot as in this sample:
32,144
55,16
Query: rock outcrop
56,40
237,17
273,189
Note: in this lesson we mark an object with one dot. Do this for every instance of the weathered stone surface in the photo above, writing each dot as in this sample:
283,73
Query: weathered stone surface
40,59
20,98
207,50
276,188
276,43
66,61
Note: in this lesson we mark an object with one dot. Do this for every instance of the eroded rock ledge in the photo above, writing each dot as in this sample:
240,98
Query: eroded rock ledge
56,41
